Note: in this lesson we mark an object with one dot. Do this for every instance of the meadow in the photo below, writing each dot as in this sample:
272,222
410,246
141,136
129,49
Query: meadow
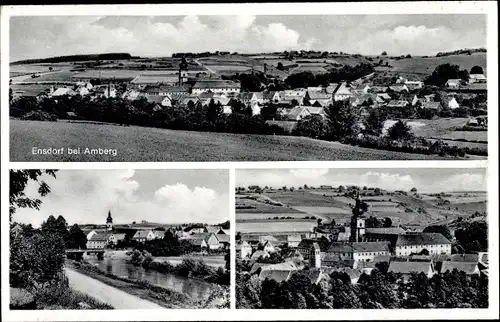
143,144
276,226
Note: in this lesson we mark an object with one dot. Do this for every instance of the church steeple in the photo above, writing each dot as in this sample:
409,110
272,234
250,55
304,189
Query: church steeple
109,222
358,220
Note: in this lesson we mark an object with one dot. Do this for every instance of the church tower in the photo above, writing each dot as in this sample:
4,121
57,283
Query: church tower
109,222
315,256
358,221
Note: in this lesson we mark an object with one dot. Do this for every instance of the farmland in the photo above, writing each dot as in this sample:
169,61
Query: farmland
408,209
136,144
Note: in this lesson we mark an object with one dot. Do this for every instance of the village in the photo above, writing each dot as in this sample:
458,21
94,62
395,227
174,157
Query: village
444,111
289,236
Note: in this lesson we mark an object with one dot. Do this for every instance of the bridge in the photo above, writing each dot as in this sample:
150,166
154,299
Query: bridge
78,253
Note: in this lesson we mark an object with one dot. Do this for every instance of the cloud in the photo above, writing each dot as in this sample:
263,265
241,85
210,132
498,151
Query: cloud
385,180
86,196
415,40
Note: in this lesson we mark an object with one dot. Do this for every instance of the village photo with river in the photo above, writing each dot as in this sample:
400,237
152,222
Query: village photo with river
248,88
361,239
119,239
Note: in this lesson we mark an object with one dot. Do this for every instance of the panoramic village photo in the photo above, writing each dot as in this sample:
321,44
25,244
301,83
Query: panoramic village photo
360,238
119,239
248,88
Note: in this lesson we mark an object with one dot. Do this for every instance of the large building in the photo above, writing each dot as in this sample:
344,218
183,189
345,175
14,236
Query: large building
358,221
215,86
414,243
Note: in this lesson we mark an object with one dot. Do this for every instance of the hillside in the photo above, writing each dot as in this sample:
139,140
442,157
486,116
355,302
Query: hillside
73,58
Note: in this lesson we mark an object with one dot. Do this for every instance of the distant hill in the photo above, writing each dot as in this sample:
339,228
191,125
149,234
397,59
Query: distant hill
466,51
72,58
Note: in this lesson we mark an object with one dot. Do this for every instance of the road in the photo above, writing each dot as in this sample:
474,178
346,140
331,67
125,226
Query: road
105,293
22,78
206,67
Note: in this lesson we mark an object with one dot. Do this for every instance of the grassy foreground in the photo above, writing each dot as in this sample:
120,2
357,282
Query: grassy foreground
144,144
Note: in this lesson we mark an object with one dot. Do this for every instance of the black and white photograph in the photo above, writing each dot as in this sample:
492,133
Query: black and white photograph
119,239
361,238
248,87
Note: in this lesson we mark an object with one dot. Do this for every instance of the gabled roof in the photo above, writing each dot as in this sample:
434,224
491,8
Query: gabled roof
277,275
215,83
432,105
343,89
422,239
157,99
386,231
469,258
100,237
397,103
63,91
259,253
142,233
410,267
361,247
317,95
223,238
269,94
468,268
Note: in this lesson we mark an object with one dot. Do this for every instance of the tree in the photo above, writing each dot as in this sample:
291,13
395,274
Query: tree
384,53
476,70
443,72
374,123
442,229
400,131
311,126
387,222
413,189
50,68
249,83
280,66
342,121
77,238
19,179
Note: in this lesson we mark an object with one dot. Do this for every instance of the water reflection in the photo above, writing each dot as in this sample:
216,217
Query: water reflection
196,289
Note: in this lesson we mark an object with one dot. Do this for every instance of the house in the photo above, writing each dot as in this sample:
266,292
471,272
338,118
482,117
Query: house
408,268
383,97
196,230
210,239
452,103
82,90
411,99
258,253
62,91
269,247
379,89
243,249
342,92
397,104
90,234
413,85
227,110
251,97
114,238
159,234
292,99
432,106
271,97
215,86
399,88
132,94
143,235
106,91
359,251
317,97
98,241
477,78
155,99
87,85
277,275
330,88
293,241
453,83
467,267
198,242
223,231
389,234
224,240
414,243
294,114
466,258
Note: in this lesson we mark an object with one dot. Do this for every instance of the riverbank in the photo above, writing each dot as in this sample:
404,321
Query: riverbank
143,290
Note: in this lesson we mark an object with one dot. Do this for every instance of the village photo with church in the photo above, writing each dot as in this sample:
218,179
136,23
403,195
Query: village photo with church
361,238
119,239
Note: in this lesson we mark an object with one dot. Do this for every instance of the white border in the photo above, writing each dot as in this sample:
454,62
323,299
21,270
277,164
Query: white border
469,7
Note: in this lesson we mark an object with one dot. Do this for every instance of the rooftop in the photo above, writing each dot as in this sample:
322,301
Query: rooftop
422,239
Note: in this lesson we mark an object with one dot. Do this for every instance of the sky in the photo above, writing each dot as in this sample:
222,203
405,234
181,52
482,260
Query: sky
47,36
162,196
425,180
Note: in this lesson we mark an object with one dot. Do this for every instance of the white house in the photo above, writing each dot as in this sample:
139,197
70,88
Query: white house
477,78
453,83
62,91
414,243
359,251
452,103
143,235
215,86
245,249
342,92
82,90
269,247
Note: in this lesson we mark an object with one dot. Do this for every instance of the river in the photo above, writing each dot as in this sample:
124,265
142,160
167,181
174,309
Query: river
119,266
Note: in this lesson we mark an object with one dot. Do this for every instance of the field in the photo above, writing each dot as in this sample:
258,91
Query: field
249,206
466,135
422,67
16,70
267,215
143,144
276,226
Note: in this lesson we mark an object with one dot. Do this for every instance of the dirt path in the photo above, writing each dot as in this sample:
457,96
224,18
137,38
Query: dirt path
105,293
